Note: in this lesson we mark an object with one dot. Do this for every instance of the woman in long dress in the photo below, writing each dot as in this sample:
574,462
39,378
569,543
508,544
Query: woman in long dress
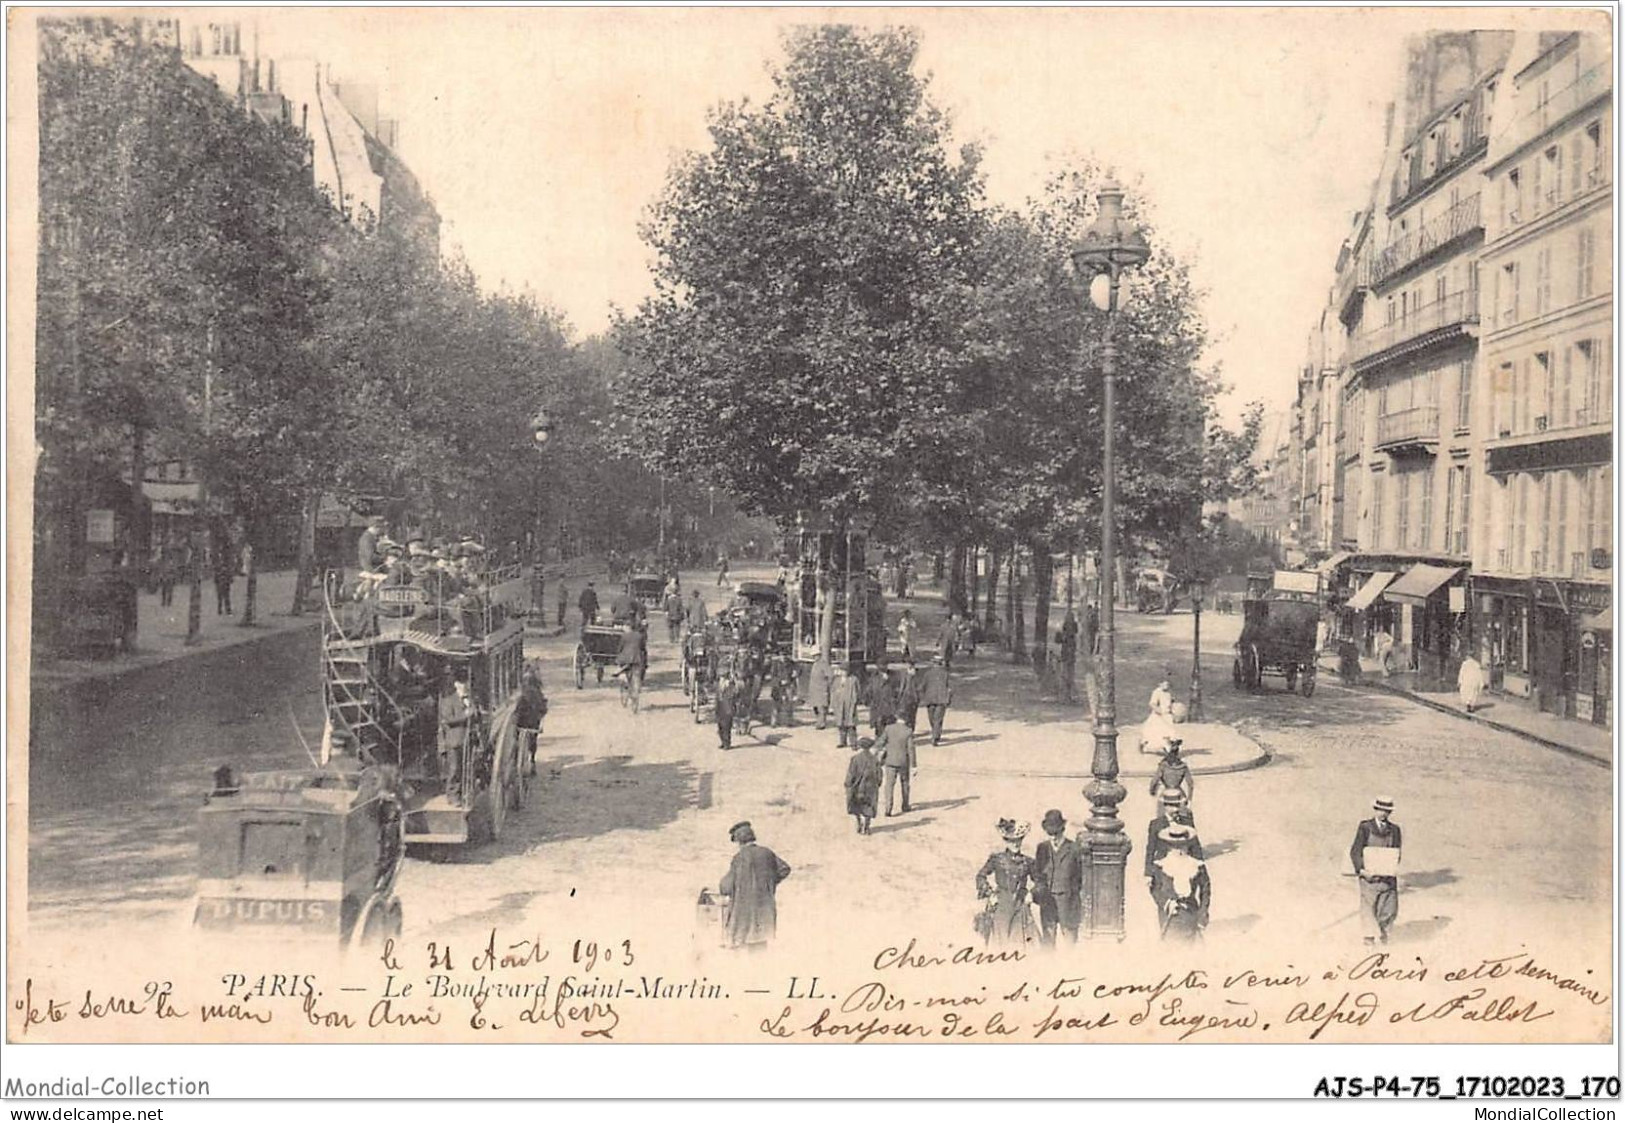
1006,882
1180,886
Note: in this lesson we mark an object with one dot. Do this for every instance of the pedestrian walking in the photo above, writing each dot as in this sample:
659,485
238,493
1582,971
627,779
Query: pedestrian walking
1180,887
751,886
905,633
727,702
588,604
1470,683
1068,639
877,695
863,785
1375,856
782,676
633,660
695,612
843,703
168,571
1091,629
564,601
1173,774
908,697
1171,809
895,748
947,639
722,570
936,695
1385,652
1004,883
1058,881
752,669
225,572
819,681
674,614
1348,661
527,716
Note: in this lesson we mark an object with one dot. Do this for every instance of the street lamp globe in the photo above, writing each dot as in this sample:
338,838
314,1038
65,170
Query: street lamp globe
1112,243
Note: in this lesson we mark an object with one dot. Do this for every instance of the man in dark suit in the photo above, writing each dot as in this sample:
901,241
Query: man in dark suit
879,698
936,695
895,748
1172,808
1379,888
1058,878
947,639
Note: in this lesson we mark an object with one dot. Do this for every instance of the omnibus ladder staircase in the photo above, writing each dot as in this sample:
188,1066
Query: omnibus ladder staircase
350,687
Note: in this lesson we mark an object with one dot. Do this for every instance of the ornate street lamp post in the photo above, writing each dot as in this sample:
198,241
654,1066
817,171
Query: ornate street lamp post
1107,248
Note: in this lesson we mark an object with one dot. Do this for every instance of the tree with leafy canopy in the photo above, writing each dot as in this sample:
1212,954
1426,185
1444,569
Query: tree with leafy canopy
811,271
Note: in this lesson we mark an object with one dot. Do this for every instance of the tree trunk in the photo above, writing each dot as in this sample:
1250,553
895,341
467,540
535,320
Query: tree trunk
196,553
1017,611
307,554
973,577
992,602
956,580
937,565
139,554
1044,582
250,572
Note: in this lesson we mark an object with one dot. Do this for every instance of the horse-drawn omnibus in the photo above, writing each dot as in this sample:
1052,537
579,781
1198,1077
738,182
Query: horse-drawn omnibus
423,675
831,567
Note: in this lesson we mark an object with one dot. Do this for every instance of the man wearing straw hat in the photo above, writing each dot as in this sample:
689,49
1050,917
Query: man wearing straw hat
1375,855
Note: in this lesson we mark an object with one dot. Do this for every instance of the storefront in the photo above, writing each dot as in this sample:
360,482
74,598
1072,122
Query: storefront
1591,688
1365,615
1433,618
1501,630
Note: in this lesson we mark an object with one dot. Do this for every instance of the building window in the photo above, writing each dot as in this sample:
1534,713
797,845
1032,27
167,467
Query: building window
1430,153
1599,508
1560,529
1377,529
1465,522
1509,294
1424,523
1402,509
1537,407
1537,197
1464,396
1512,198
1553,159
1586,264
1544,563
1520,521
1543,281
1440,282
1591,152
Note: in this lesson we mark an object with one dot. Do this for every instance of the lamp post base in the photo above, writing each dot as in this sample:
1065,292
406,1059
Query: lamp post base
1105,848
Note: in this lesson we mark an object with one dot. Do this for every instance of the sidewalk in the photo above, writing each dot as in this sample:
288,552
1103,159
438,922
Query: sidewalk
1582,739
161,632
1066,749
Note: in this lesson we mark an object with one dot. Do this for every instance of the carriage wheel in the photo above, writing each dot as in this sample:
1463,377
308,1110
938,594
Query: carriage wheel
1251,673
1307,683
1235,672
688,672
581,665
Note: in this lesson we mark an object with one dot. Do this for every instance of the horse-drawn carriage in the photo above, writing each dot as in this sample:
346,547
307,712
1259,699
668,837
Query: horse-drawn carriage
648,589
1280,633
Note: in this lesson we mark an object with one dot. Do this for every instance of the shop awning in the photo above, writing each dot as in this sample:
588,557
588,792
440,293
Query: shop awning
1329,566
1420,582
1597,622
1369,592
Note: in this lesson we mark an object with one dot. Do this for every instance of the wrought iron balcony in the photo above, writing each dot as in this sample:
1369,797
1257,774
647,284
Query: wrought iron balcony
1459,221
1417,427
1441,320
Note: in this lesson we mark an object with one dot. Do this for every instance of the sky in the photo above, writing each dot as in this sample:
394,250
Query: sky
543,134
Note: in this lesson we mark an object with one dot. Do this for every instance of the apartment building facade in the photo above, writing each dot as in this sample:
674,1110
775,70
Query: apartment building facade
1542,567
1471,479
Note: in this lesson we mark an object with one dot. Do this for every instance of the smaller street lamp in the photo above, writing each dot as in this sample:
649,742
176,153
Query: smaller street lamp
1193,711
